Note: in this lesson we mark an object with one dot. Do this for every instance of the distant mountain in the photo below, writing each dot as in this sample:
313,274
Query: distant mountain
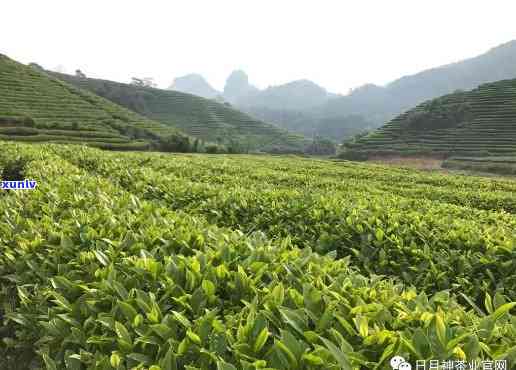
293,106
194,84
379,104
300,95
238,87
296,95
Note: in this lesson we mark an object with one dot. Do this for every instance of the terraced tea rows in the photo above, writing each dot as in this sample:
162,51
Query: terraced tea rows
202,118
480,122
155,261
315,211
499,165
35,107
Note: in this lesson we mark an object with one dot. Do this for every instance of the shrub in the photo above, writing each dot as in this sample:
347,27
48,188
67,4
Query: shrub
354,155
321,146
14,170
175,143
215,149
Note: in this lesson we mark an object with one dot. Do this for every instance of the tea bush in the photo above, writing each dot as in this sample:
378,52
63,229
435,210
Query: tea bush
117,261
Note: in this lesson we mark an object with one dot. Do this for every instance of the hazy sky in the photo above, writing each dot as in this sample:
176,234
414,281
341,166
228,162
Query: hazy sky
338,44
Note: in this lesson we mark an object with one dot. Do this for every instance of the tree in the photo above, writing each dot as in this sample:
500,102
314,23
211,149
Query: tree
196,146
143,82
78,73
235,147
348,143
176,143
36,66
149,82
137,82
321,146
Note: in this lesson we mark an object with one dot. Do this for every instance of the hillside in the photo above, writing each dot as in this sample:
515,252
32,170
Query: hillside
202,118
379,104
35,107
494,165
479,122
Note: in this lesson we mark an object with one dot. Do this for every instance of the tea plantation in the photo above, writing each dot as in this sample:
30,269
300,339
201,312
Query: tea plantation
202,118
159,261
499,165
481,122
35,107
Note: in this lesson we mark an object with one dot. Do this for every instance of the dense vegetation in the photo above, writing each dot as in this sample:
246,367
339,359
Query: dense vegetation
35,107
153,261
201,118
498,165
480,122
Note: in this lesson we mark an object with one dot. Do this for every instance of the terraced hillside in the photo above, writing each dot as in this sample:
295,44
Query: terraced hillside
202,118
35,107
480,122
497,165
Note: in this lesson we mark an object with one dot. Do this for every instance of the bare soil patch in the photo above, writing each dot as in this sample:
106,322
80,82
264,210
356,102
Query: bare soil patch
411,162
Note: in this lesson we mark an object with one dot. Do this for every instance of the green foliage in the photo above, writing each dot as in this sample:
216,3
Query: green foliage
215,149
176,143
154,261
498,165
13,169
458,124
354,155
16,121
32,103
201,118
441,113
321,146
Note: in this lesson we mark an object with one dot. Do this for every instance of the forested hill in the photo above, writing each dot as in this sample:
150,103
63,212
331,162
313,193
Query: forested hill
202,118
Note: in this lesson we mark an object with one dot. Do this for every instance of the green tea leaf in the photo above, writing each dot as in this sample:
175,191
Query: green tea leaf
260,340
337,354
